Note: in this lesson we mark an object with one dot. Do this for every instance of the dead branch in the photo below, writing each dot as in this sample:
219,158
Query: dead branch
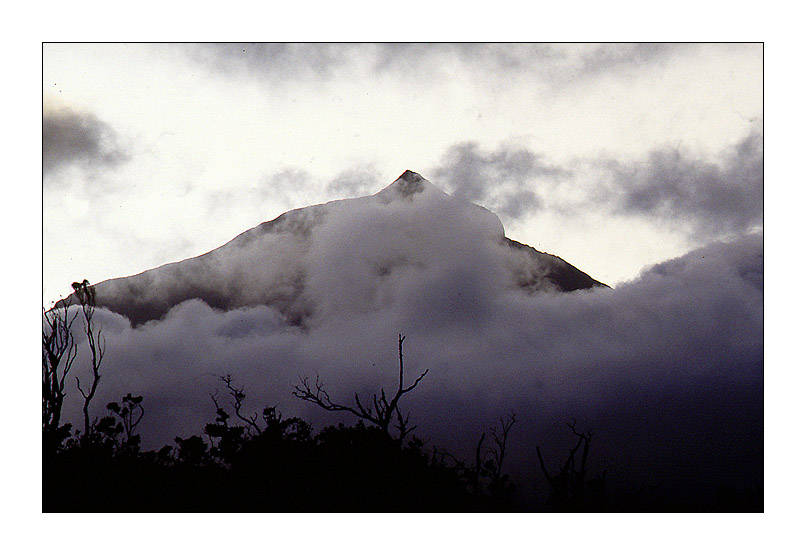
569,485
96,342
380,411
58,351
500,438
238,397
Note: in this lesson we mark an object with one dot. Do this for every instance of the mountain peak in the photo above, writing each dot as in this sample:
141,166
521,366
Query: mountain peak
409,175
406,186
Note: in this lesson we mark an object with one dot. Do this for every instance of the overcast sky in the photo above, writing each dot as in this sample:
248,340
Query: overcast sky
612,156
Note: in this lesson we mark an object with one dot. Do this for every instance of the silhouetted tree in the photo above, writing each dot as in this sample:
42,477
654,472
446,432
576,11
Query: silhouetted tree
238,396
128,414
58,353
380,412
192,451
490,488
227,440
569,485
500,439
500,488
85,293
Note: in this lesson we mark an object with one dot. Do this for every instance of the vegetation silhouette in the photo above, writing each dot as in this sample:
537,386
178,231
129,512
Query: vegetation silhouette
267,463
58,353
570,490
85,293
276,465
59,350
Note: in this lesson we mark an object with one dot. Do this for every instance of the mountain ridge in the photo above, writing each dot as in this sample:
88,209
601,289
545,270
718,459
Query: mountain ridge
271,263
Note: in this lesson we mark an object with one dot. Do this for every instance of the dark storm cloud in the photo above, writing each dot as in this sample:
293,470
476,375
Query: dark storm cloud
505,179
70,137
715,197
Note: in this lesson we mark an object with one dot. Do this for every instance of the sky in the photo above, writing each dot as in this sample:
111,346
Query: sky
613,156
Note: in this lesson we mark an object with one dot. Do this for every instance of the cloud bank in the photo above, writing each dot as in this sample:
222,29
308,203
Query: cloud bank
715,197
708,198
556,63
667,369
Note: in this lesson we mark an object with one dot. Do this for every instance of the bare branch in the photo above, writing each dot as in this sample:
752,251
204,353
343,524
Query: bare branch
321,398
380,412
403,430
238,399
59,351
569,485
405,390
501,440
85,293
135,422
543,467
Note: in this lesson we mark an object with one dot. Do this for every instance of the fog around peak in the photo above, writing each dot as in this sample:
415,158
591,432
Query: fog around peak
362,253
660,367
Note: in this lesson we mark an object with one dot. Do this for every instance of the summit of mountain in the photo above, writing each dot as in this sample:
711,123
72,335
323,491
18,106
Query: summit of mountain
358,254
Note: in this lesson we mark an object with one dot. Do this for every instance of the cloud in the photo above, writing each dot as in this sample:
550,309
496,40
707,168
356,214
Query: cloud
714,197
704,197
291,185
282,187
69,137
667,369
286,60
505,179
355,182
552,63
559,64
597,58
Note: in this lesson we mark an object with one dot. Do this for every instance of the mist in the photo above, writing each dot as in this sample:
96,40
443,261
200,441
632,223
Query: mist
666,370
